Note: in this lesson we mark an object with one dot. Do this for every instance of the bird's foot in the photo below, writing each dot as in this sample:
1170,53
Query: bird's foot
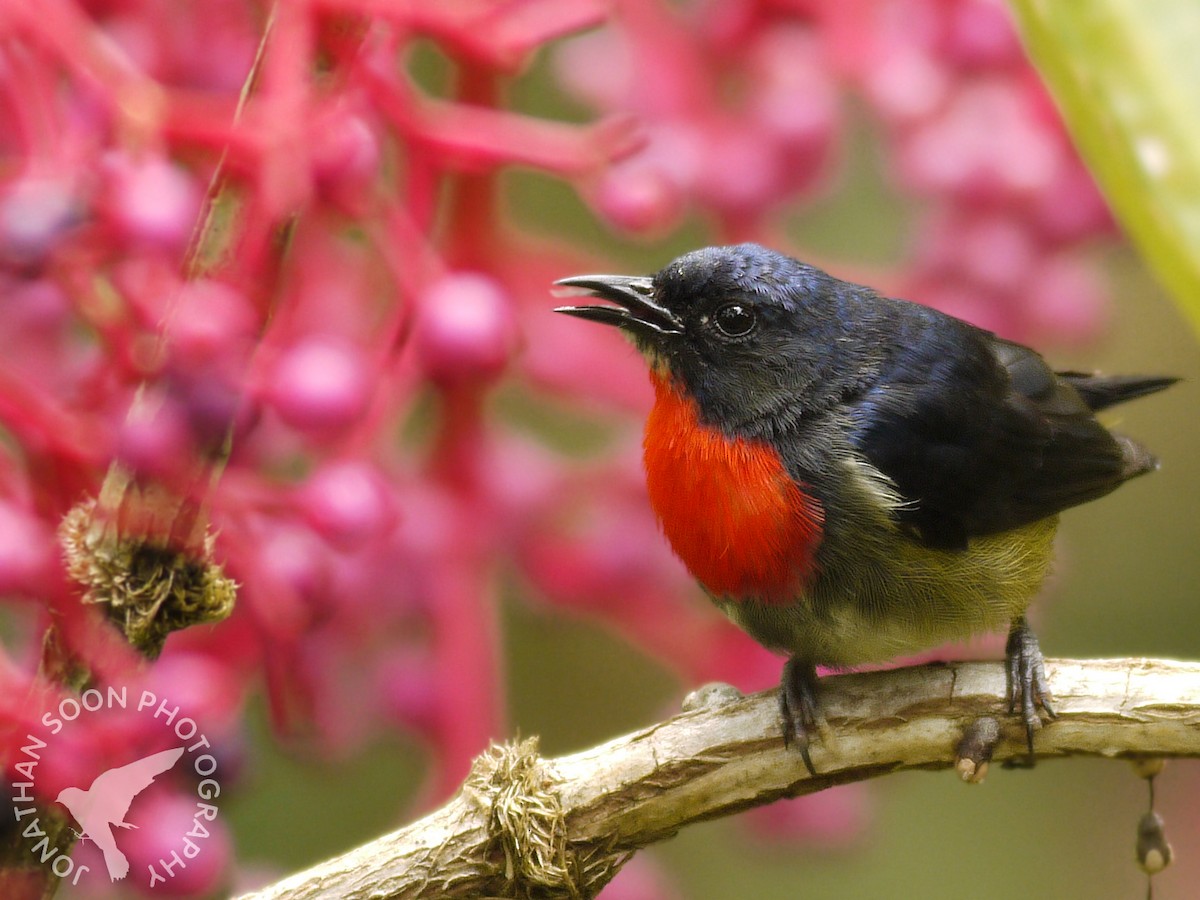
123,825
1027,685
798,707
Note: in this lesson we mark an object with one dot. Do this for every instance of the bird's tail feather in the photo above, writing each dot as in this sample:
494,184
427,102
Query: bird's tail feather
1102,391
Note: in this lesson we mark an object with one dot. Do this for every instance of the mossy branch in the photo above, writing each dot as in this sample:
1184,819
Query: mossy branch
524,826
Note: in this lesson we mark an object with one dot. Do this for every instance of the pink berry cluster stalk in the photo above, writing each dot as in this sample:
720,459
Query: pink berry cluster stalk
247,252
971,128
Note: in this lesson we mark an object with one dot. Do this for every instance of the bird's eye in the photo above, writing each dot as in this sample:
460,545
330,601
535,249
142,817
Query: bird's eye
735,320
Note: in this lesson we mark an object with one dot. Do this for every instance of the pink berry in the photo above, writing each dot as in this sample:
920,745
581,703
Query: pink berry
214,400
796,97
205,687
408,688
996,251
1071,207
155,439
1067,298
209,319
152,200
320,384
639,197
345,149
35,212
348,502
164,819
39,307
741,173
28,554
597,67
980,33
907,84
295,557
986,145
465,329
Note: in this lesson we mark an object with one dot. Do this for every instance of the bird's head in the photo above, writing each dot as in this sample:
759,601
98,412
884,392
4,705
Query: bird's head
747,332
74,799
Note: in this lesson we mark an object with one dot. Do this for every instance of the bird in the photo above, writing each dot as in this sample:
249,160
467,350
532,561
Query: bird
104,805
852,477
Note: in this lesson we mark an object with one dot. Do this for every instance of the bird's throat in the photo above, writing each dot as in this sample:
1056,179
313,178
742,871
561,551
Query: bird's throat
743,527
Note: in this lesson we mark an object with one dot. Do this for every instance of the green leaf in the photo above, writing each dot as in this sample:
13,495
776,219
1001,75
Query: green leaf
1126,76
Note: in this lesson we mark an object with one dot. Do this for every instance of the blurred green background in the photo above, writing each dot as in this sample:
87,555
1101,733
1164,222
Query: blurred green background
1125,586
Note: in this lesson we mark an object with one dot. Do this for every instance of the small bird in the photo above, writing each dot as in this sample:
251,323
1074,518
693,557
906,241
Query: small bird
851,477
104,805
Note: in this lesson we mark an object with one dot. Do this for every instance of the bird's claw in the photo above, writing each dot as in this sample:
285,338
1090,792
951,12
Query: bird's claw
798,707
1027,685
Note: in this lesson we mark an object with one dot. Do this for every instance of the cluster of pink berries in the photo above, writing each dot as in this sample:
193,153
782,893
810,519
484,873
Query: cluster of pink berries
747,106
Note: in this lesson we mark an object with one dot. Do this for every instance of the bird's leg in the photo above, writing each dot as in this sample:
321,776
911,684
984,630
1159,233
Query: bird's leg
798,706
1027,678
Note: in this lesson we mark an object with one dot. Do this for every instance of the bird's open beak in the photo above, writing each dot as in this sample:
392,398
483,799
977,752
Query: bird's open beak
635,311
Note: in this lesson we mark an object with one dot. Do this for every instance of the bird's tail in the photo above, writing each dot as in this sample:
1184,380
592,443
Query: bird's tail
1102,391
116,862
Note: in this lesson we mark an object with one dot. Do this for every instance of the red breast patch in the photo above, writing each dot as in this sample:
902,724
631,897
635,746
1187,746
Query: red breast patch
730,510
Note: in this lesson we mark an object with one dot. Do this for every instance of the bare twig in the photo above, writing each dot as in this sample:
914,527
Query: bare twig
593,809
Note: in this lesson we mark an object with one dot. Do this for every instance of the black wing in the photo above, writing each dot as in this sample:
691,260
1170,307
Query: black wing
981,436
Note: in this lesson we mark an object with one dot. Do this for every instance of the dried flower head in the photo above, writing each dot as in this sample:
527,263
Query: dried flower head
148,587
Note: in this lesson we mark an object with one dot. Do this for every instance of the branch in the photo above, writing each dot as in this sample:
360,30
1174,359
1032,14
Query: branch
523,826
